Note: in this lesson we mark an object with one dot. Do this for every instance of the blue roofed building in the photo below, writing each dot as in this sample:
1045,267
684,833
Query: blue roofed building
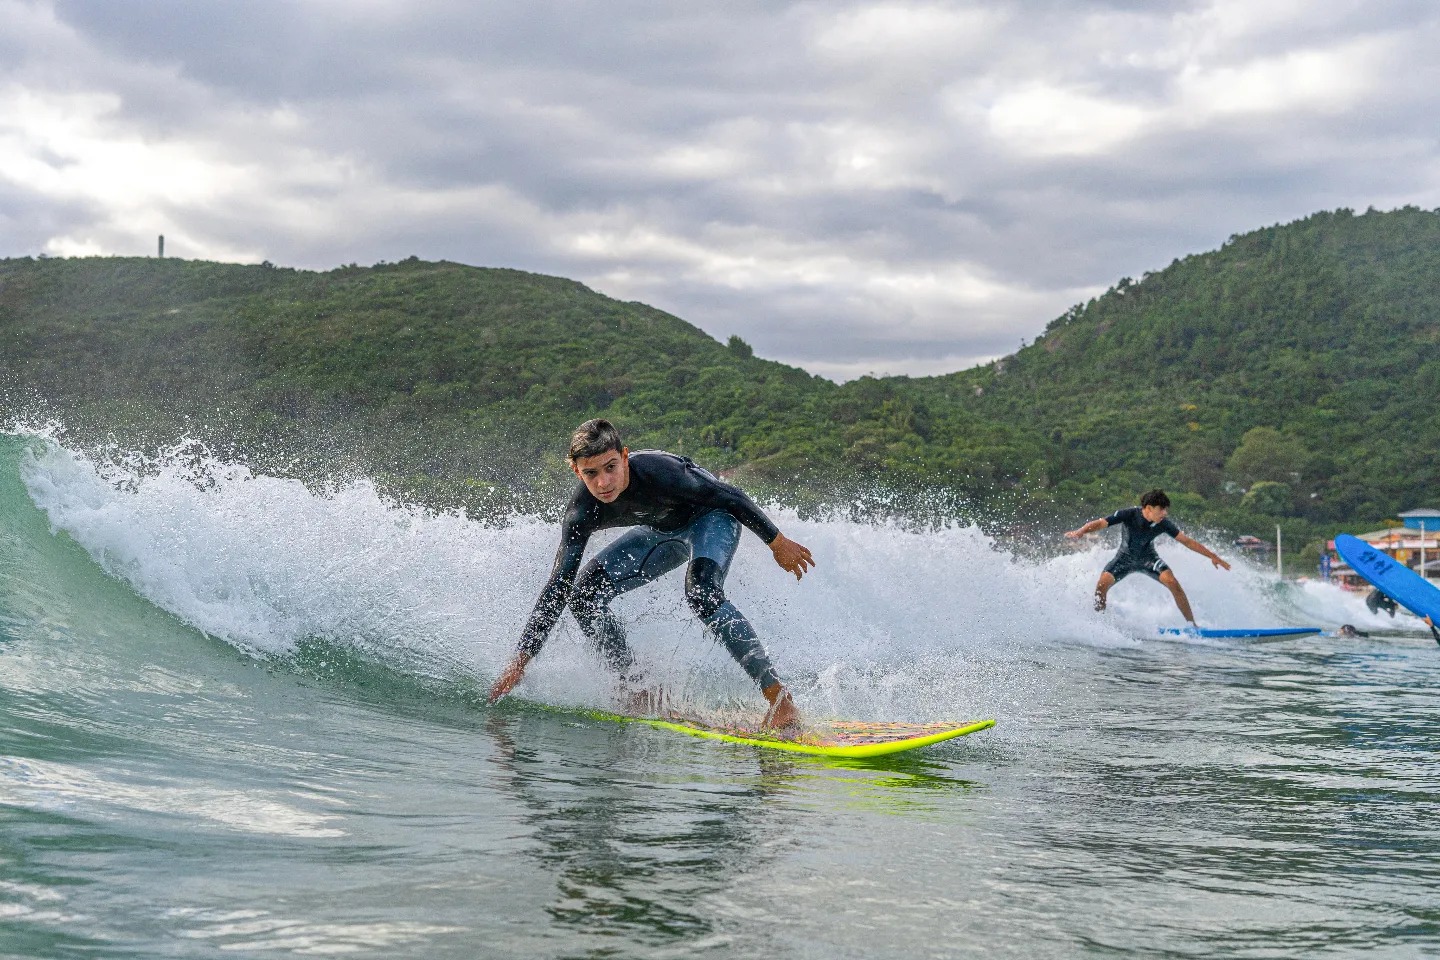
1427,518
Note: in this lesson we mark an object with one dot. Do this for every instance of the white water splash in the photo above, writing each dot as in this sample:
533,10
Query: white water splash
892,622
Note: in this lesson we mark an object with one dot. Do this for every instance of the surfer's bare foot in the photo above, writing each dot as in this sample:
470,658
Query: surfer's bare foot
782,713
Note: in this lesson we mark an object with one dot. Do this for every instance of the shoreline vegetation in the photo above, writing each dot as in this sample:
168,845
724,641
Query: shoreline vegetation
1288,379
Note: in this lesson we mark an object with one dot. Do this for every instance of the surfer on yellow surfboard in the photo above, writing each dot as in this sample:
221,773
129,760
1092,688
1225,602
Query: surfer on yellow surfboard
681,514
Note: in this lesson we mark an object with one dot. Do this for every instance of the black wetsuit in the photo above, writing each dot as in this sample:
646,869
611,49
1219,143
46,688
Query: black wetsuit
1137,545
683,514
1377,601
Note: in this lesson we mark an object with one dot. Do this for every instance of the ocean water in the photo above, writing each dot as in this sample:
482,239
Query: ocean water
242,718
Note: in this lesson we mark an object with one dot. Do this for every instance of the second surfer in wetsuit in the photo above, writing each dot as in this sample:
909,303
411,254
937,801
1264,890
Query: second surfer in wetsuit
680,513
1377,601
1143,524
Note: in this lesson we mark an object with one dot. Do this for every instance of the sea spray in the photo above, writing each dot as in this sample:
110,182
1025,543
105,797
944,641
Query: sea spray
896,621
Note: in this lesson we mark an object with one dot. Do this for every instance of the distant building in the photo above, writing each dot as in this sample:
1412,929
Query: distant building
1253,546
1424,519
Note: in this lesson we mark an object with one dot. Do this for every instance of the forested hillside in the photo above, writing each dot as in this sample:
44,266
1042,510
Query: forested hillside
1293,373
1290,377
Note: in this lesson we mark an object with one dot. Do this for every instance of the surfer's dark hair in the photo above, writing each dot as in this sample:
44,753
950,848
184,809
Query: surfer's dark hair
594,437
1155,498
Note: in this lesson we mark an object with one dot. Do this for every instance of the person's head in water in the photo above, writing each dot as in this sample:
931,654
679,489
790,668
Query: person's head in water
600,459
1155,505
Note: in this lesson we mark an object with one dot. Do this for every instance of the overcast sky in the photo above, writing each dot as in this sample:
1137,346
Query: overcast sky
852,187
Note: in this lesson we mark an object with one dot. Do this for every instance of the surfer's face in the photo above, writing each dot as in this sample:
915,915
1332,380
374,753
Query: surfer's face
1155,514
605,475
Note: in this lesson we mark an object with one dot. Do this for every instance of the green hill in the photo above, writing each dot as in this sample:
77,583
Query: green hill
444,380
1305,355
1289,377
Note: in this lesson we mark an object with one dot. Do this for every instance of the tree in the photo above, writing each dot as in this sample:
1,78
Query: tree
1265,453
1269,498
1200,464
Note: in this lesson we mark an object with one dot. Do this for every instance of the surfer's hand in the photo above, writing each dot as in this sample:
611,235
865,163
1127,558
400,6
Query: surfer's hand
792,557
1075,534
1219,563
512,675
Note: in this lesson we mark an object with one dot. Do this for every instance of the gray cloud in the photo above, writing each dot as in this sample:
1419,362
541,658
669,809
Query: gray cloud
853,187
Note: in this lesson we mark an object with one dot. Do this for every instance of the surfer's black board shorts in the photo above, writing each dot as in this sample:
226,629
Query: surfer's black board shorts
1124,564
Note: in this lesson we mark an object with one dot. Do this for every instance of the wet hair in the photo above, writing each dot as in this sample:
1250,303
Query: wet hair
594,437
1155,498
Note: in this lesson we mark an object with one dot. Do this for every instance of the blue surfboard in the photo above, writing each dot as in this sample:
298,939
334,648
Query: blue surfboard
1394,579
1242,633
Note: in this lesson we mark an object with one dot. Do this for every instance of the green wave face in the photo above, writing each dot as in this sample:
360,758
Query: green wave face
51,590
91,667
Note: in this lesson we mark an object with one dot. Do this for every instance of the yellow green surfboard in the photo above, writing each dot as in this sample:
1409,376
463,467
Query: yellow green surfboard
830,738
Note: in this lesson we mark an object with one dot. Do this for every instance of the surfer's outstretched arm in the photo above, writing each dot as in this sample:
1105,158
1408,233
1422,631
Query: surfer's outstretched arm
574,535
703,487
1099,523
1200,548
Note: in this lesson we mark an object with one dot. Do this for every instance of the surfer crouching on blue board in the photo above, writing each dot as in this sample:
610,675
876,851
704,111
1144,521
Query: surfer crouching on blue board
1143,524
681,513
